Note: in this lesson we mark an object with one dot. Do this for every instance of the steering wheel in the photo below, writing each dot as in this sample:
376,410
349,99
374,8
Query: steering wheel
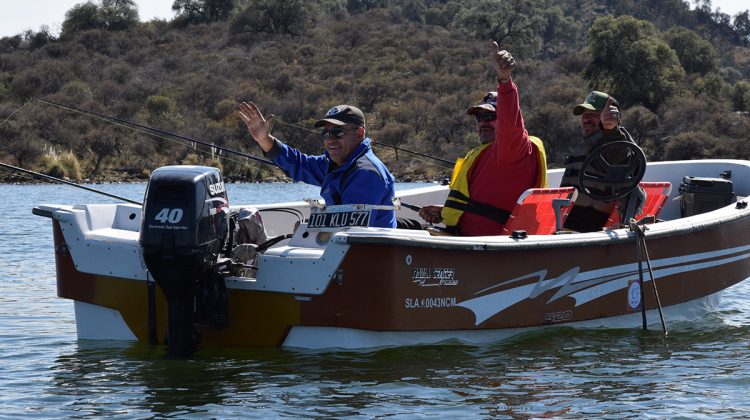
612,171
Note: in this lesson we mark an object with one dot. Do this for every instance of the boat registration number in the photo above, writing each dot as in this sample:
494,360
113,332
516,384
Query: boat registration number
339,219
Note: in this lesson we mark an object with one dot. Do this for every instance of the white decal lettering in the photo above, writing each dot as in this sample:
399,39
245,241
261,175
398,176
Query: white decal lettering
428,303
216,188
428,277
169,215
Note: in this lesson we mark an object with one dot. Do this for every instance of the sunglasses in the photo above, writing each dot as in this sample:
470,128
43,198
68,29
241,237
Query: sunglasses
336,132
485,116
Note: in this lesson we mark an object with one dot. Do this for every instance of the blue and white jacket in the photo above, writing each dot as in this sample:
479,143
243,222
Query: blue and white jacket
362,179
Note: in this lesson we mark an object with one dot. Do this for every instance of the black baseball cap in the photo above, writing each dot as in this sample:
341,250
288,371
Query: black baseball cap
343,114
487,104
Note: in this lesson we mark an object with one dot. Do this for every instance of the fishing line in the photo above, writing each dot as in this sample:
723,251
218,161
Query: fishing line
14,112
396,148
156,130
161,134
150,130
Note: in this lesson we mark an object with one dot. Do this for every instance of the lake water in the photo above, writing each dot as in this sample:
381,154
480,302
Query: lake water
701,370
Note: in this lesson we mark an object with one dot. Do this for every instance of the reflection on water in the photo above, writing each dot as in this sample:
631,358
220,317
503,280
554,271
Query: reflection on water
699,370
563,372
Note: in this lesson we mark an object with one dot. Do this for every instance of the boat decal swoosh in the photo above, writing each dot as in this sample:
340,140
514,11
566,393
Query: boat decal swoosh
589,294
591,285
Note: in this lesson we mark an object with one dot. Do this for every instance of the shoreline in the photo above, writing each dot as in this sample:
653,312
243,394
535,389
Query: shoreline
12,180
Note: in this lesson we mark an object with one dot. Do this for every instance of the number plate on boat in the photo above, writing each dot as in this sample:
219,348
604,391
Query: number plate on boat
339,219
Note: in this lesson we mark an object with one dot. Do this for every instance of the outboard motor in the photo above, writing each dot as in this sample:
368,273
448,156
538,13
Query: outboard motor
184,228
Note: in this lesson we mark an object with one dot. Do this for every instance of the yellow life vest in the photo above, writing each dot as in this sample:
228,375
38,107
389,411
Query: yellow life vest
460,179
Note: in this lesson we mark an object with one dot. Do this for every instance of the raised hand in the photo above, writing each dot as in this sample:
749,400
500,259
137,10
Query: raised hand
610,116
258,126
503,63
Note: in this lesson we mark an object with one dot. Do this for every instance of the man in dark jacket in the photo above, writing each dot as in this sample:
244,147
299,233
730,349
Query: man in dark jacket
348,172
600,124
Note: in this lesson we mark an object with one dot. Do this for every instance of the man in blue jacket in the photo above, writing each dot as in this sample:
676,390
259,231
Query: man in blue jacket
348,172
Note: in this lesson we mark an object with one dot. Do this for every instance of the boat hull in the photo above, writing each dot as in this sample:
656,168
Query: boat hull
365,287
387,287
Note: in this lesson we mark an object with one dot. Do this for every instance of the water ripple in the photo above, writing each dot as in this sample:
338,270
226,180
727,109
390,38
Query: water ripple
701,370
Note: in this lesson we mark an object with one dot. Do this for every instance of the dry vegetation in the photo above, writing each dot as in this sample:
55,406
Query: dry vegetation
413,66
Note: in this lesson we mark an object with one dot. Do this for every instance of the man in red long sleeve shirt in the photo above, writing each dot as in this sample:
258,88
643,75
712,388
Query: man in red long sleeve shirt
487,182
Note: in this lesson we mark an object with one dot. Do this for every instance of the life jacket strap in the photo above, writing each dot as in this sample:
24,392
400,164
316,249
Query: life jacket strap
466,204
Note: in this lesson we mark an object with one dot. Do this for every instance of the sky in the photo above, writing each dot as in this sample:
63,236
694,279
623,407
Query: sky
20,15
730,7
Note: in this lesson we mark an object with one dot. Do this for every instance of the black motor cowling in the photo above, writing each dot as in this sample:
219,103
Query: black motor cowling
184,229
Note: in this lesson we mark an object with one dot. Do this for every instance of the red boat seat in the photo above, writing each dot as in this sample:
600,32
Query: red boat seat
657,194
535,211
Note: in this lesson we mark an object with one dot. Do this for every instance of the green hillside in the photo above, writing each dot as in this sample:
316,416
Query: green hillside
413,67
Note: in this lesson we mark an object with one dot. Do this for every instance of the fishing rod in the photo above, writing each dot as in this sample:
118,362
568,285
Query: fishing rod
53,180
410,206
204,143
155,130
401,149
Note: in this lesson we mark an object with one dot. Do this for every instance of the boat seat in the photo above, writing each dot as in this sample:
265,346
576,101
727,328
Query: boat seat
541,211
657,194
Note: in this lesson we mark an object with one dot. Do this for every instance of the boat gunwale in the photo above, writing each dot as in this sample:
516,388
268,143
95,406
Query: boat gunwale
659,230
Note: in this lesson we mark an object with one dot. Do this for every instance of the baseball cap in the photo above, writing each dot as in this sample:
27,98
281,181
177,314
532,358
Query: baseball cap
343,114
487,104
594,102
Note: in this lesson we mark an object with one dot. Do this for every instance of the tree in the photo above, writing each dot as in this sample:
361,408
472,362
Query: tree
360,6
742,26
395,134
76,92
516,22
371,92
291,17
688,146
25,151
35,40
101,144
741,96
551,122
695,53
631,62
16,142
114,15
202,11
643,124
158,105
162,112
82,17
10,43
560,32
119,15
709,84
44,78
